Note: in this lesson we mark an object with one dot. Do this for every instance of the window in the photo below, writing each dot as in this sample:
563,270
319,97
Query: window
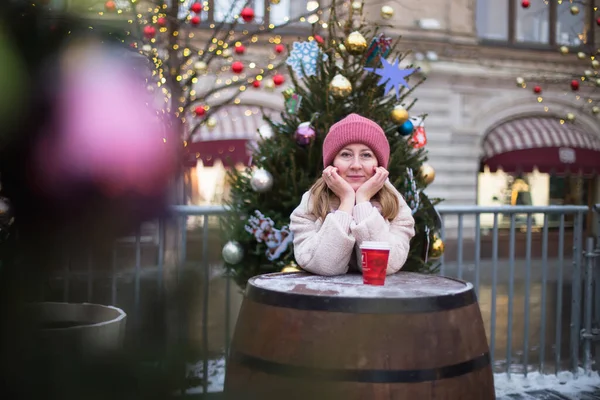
544,22
224,10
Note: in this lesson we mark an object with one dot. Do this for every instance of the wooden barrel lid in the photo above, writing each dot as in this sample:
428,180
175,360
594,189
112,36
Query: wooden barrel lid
404,292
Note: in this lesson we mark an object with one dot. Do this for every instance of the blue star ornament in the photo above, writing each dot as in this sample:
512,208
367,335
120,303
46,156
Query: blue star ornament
392,76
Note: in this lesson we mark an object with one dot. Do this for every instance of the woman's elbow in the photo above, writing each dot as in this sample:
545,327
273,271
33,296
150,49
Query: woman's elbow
392,269
324,269
321,266
397,262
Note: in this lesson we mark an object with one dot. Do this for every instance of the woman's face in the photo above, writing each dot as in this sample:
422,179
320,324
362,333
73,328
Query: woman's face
356,164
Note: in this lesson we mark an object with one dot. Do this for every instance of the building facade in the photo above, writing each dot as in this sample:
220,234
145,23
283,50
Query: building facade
490,141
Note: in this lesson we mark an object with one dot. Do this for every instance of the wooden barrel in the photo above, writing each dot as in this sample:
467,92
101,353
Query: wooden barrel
301,336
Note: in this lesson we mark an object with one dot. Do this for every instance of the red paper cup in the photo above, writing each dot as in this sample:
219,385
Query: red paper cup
374,262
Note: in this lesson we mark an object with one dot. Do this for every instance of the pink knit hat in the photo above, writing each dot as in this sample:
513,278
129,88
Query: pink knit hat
356,129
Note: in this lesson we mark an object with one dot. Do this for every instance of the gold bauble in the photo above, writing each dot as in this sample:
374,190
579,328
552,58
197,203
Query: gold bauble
574,10
357,5
596,109
427,173
355,43
520,81
399,115
275,1
570,117
581,55
387,12
340,87
595,64
564,49
211,122
436,249
200,66
291,267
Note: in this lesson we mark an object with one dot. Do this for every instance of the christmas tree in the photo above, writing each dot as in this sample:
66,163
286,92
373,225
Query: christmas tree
353,67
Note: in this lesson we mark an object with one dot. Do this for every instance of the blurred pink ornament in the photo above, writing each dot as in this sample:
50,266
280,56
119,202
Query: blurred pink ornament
105,131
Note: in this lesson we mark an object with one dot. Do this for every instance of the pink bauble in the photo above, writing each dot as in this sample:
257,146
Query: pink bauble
304,134
105,132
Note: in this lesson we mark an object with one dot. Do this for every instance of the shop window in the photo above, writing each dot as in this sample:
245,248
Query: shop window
532,189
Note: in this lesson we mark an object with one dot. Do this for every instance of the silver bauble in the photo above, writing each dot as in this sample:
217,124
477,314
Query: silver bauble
261,180
232,252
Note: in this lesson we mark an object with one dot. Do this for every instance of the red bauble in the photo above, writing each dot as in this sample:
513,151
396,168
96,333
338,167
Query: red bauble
199,111
247,14
575,84
525,3
319,39
162,21
279,48
537,89
195,20
110,5
278,79
240,49
237,67
149,31
196,7
598,21
256,84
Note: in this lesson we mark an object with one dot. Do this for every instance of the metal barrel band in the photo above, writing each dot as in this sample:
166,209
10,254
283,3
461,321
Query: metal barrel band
362,305
361,375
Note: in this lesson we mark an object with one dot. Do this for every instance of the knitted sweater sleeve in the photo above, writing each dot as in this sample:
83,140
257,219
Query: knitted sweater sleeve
369,225
321,247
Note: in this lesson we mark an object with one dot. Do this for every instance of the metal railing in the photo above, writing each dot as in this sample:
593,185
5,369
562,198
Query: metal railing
465,225
543,333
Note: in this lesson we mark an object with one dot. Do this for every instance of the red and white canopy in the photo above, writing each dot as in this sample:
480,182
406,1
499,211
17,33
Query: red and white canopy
237,126
547,144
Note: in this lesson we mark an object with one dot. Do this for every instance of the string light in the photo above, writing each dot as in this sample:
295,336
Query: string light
194,62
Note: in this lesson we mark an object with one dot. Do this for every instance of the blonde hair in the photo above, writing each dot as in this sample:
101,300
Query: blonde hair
322,195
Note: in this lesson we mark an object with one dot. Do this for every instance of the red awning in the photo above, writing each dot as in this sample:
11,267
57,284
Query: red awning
230,152
543,143
229,140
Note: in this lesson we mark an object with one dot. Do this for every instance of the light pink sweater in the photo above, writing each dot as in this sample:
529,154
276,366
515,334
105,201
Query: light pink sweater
331,247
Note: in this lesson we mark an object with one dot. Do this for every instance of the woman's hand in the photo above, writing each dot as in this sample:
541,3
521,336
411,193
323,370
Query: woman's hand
370,188
338,185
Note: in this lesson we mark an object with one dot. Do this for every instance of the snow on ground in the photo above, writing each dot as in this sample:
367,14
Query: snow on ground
216,375
565,382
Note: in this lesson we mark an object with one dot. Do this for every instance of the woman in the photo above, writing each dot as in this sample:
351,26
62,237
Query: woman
351,203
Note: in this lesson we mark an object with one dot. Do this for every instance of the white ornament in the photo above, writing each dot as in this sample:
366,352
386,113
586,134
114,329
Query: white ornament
304,55
232,252
261,180
265,131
